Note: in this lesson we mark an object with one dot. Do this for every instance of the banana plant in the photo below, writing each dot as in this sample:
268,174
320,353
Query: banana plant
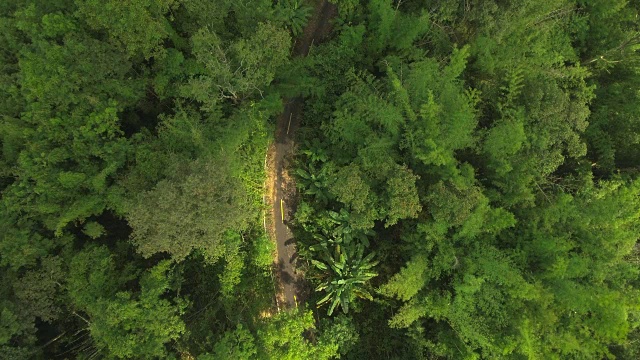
345,272
314,182
294,14
314,151
344,230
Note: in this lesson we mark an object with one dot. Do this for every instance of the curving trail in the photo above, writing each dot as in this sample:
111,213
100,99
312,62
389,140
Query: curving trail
282,187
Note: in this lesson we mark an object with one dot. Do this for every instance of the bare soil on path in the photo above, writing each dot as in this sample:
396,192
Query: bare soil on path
280,183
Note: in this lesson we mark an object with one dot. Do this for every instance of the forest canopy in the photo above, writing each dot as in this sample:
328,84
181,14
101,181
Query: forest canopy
467,179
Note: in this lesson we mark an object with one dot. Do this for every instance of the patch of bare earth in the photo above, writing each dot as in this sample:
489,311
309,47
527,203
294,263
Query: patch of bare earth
269,217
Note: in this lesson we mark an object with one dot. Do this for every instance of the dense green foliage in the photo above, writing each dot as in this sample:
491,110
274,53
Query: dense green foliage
467,174
133,137
486,152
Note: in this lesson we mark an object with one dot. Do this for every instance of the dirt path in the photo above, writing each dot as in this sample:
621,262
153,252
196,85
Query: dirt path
282,187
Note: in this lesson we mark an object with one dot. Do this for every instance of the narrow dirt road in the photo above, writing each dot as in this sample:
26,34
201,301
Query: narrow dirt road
283,188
